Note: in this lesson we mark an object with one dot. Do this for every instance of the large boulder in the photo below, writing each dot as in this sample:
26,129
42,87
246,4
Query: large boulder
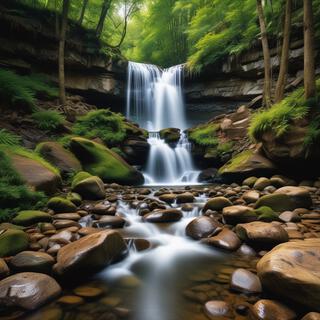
36,174
60,205
245,164
262,234
30,217
28,290
292,270
90,253
136,150
100,161
202,227
12,241
299,196
58,156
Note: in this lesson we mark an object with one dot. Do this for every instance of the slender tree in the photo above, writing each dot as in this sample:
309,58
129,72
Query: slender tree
104,11
309,53
83,10
266,56
284,61
62,40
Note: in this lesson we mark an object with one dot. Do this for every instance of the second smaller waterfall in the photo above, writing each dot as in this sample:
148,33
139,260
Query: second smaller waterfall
169,166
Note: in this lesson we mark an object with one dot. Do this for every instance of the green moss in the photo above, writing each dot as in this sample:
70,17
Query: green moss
74,198
277,202
48,120
14,194
266,214
102,162
225,147
32,155
13,241
103,124
29,217
170,134
236,162
60,205
118,151
204,135
280,116
80,176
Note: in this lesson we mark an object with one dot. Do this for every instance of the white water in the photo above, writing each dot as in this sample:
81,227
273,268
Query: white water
159,268
155,102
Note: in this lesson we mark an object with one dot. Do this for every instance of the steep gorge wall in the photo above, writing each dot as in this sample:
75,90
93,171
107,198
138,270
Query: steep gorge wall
236,80
29,44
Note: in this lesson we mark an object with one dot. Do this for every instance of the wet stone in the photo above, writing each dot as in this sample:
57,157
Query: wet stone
216,308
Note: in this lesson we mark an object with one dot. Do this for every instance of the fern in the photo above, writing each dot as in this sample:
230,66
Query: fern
8,138
49,120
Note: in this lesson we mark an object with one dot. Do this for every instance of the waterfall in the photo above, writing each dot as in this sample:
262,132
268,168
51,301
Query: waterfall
155,102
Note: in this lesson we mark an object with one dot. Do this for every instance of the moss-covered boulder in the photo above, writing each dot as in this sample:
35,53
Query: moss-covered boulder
100,161
30,217
58,156
245,164
75,198
170,135
277,202
34,170
88,187
13,241
217,204
60,205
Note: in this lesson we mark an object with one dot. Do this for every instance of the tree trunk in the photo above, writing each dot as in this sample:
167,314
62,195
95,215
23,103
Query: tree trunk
104,11
266,56
62,40
309,63
283,71
83,10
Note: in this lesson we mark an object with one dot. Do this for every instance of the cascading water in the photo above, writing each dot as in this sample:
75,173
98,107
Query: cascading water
155,102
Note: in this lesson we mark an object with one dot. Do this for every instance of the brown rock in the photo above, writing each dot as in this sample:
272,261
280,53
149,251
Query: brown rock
202,227
160,216
4,270
292,270
110,222
245,281
28,290
226,239
238,214
90,253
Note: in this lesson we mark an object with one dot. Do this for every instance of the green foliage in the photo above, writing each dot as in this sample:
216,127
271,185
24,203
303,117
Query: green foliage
103,124
14,194
48,120
279,117
22,90
205,135
313,134
225,147
8,138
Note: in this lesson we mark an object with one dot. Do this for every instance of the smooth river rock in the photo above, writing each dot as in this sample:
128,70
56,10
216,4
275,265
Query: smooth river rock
226,239
262,234
166,215
238,214
28,290
272,310
292,270
202,227
245,281
90,253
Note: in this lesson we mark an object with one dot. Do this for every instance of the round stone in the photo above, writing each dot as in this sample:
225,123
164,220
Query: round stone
216,308
88,292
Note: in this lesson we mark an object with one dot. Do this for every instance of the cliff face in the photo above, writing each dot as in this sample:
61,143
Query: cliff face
237,80
29,43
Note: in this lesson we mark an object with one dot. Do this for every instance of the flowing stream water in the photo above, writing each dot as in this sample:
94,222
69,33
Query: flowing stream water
155,102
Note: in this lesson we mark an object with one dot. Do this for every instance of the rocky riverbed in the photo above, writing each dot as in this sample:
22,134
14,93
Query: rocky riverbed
239,251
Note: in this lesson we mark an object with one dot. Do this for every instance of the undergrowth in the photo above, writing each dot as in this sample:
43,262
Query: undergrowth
8,138
281,115
205,135
103,124
48,120
22,91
